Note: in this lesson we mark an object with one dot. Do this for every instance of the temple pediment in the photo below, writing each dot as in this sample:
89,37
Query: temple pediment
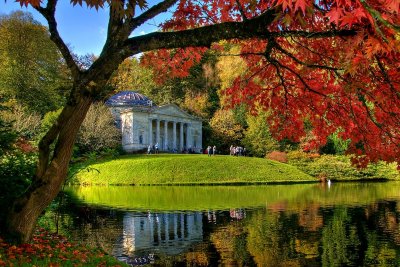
173,110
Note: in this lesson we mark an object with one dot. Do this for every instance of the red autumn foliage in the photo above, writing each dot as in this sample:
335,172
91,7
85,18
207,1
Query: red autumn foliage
51,250
351,83
24,146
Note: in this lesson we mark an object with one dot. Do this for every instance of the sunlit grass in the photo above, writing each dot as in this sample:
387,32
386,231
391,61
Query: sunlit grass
188,169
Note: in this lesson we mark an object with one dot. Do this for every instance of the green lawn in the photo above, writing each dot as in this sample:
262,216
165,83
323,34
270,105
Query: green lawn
168,169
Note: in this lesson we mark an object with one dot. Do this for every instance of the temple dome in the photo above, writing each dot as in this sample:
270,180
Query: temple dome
128,98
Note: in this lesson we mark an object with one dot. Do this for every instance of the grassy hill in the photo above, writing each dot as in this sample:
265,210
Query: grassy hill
167,169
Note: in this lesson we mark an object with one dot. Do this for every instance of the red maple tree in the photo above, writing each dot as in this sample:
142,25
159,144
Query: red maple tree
303,71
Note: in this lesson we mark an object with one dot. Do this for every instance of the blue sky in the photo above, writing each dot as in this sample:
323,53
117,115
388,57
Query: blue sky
82,28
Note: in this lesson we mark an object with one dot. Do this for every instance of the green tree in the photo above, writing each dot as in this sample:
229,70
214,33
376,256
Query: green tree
133,76
30,65
257,137
225,130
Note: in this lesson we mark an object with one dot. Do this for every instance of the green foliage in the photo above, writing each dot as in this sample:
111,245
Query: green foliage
240,115
49,119
339,167
16,172
335,145
257,138
7,134
32,69
188,169
225,130
132,76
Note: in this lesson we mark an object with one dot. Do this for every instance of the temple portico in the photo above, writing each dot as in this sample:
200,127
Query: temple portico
167,136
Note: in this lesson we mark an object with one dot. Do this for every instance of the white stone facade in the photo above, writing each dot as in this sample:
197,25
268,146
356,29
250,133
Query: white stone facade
173,129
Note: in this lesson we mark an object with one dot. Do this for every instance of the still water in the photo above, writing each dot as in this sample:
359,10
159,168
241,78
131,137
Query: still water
346,224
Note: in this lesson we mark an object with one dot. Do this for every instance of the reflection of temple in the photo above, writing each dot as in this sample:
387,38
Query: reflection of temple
169,233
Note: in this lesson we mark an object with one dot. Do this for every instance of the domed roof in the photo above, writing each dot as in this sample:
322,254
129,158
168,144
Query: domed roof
129,98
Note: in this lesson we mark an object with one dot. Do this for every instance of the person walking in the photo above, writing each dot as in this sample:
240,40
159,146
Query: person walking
149,150
156,147
214,150
209,151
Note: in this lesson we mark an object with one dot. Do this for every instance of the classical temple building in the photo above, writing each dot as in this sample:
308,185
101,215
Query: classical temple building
142,124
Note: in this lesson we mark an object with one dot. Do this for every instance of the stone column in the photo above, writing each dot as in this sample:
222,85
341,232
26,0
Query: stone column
150,131
165,135
174,135
158,132
188,136
181,137
200,138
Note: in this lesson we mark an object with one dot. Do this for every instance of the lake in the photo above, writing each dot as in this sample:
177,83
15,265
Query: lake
345,224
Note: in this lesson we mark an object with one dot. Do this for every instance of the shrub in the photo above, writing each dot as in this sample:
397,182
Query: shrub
278,156
339,167
16,172
98,131
24,122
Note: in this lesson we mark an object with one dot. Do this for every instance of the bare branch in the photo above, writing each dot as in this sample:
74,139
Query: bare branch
241,10
148,14
313,66
49,14
300,78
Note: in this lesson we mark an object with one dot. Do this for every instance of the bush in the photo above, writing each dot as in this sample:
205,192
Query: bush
16,172
278,156
98,132
339,167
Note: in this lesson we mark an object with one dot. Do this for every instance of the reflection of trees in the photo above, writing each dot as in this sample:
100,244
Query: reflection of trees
341,240
230,242
271,239
89,226
300,235
383,243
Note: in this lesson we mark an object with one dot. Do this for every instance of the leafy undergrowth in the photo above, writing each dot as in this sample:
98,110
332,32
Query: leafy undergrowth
48,249
339,168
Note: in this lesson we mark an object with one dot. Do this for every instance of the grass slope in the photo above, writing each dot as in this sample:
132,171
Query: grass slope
167,169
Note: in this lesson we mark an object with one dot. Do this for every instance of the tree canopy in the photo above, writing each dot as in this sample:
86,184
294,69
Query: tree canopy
32,70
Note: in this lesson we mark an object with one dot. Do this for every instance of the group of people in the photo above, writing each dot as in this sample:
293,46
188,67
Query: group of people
153,148
211,150
237,151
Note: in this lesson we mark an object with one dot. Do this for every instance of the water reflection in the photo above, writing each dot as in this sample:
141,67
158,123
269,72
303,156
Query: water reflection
166,233
344,225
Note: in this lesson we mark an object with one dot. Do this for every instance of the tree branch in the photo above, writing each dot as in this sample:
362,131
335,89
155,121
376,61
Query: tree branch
241,10
205,36
313,66
148,14
49,14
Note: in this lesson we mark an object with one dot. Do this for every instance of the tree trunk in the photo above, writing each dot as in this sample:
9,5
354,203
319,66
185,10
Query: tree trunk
23,215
